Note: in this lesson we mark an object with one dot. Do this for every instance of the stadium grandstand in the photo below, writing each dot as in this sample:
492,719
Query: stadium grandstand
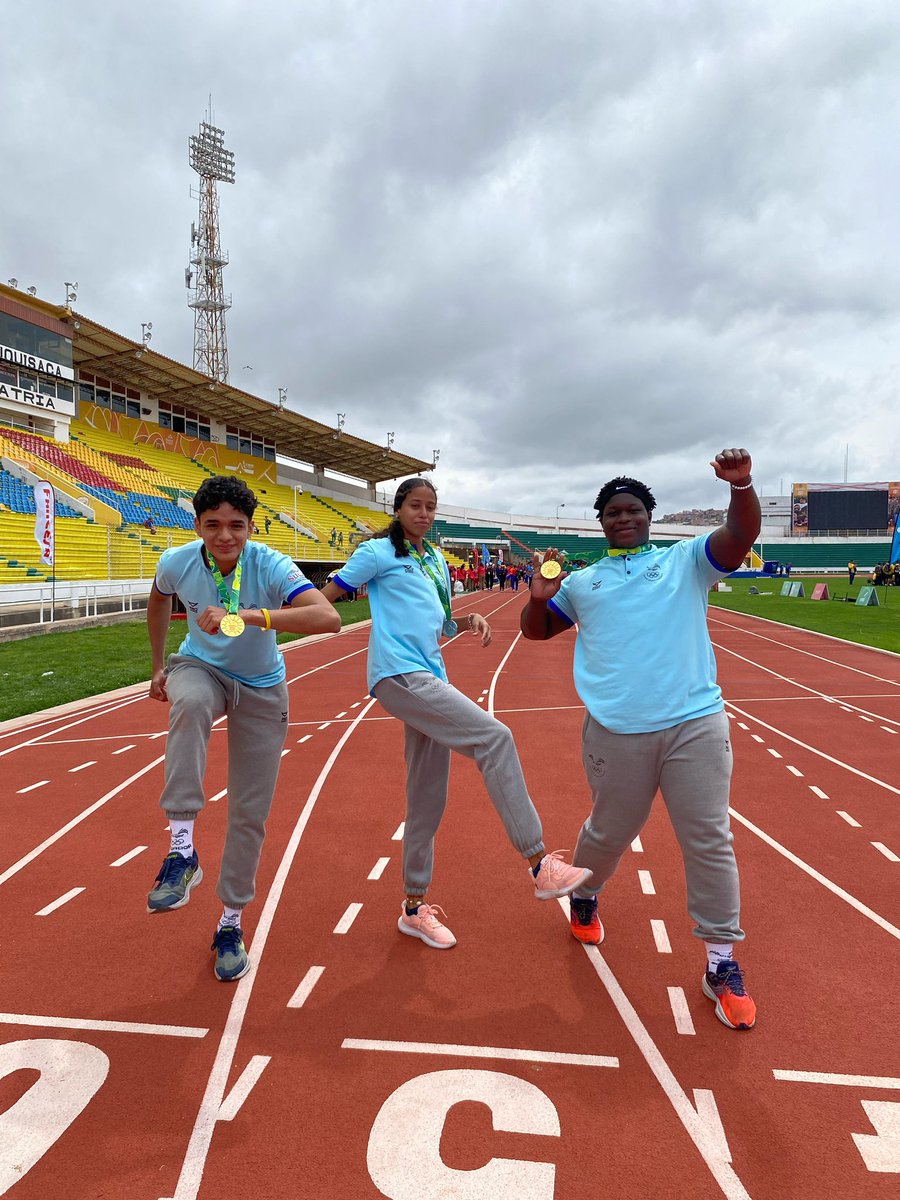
125,436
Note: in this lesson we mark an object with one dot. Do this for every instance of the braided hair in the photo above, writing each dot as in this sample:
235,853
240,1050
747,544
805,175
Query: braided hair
394,530
624,483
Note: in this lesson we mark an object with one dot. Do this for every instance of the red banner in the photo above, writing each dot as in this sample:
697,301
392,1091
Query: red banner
45,520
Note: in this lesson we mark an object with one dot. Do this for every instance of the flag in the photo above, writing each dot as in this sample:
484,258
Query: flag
895,542
485,554
45,520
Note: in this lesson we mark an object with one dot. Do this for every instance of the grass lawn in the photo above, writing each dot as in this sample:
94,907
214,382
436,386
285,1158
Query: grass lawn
870,626
56,668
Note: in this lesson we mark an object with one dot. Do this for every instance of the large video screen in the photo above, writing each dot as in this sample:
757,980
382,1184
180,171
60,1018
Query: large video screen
847,510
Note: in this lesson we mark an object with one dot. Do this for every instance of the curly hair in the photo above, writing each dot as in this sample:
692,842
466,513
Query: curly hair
224,489
394,531
624,483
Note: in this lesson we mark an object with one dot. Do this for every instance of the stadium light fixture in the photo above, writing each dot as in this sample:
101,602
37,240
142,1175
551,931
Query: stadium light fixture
71,293
282,398
32,291
340,425
390,442
13,282
146,335
435,455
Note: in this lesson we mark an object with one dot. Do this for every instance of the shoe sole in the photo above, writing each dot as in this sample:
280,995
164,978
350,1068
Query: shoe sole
558,893
233,978
720,1011
197,876
423,938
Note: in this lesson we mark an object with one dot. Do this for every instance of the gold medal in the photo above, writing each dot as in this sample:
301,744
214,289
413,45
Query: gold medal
551,568
231,625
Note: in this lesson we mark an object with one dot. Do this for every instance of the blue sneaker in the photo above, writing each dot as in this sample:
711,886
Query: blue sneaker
232,960
177,876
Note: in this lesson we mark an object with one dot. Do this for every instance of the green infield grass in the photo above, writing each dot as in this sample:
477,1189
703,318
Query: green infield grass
57,668
870,626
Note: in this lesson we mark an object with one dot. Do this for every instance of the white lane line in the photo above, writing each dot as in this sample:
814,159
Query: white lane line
836,1080
888,854
307,983
70,895
378,870
485,692
844,708
646,881
50,841
680,1011
244,1085
742,725
284,752
706,1139
731,716
32,787
398,835
774,753
162,733
204,1125
819,878
846,817
887,729
817,791
120,862
492,690
637,846
356,704
863,717
325,725
122,749
503,1052
708,1112
340,714
99,712
218,796
661,937
352,912
794,771
305,738
480,700
188,1031
83,767
757,738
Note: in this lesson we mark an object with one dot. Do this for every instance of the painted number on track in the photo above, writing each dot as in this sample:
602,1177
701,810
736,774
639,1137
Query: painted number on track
71,1074
408,1168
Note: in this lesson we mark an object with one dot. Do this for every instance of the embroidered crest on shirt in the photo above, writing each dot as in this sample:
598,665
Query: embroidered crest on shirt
596,584
193,605
409,568
655,572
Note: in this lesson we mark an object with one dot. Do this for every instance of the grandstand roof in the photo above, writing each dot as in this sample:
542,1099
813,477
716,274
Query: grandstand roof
109,354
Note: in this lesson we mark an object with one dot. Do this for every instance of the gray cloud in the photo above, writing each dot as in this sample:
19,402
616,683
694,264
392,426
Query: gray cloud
554,245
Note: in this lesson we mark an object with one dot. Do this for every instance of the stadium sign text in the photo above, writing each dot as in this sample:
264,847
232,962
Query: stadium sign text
17,395
31,362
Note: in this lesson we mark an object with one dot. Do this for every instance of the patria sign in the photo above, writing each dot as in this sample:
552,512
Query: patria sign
17,395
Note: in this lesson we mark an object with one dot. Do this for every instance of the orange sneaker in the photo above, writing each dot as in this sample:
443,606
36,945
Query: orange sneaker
584,922
424,924
734,1006
556,878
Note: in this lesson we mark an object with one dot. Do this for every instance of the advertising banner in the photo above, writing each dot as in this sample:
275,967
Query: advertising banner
45,520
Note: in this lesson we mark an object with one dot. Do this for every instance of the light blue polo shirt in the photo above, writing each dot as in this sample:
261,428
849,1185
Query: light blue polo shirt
407,615
643,658
268,580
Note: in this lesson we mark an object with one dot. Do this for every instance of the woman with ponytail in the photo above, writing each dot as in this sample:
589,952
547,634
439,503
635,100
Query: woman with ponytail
409,595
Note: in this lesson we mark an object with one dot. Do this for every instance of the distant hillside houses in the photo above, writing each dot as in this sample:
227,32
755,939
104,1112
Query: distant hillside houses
694,516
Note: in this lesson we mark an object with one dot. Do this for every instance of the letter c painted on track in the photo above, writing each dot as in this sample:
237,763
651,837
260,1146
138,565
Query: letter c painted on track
71,1074
405,1167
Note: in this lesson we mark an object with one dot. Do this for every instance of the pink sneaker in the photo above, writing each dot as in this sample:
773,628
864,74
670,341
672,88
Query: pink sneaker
424,924
557,878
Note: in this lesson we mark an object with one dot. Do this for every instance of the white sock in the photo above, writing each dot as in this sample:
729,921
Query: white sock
717,952
230,916
182,837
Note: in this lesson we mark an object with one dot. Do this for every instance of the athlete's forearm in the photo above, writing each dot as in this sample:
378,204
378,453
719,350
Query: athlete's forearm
744,516
535,620
159,614
307,618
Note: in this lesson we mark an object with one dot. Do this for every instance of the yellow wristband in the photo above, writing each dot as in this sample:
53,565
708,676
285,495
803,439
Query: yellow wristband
265,613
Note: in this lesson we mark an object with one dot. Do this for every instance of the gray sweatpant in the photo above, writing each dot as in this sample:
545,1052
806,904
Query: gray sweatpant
437,719
691,765
256,730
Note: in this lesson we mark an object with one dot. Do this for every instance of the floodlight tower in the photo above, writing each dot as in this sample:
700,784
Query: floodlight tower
206,293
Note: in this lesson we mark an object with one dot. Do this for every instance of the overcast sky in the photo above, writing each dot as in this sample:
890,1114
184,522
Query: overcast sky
557,241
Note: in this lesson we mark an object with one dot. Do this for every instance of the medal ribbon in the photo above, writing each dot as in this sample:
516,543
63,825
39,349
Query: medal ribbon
631,550
435,578
229,598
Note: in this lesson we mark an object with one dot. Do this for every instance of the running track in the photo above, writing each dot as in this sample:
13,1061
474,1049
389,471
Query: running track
354,1063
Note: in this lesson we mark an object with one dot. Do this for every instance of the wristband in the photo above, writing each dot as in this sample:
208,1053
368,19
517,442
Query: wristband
265,613
742,487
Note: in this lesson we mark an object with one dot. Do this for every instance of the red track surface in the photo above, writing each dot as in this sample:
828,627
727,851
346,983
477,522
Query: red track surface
127,1071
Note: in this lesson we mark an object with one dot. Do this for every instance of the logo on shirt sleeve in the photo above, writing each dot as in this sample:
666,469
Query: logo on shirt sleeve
193,605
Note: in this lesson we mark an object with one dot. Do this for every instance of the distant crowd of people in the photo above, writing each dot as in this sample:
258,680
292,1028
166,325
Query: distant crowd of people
481,576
